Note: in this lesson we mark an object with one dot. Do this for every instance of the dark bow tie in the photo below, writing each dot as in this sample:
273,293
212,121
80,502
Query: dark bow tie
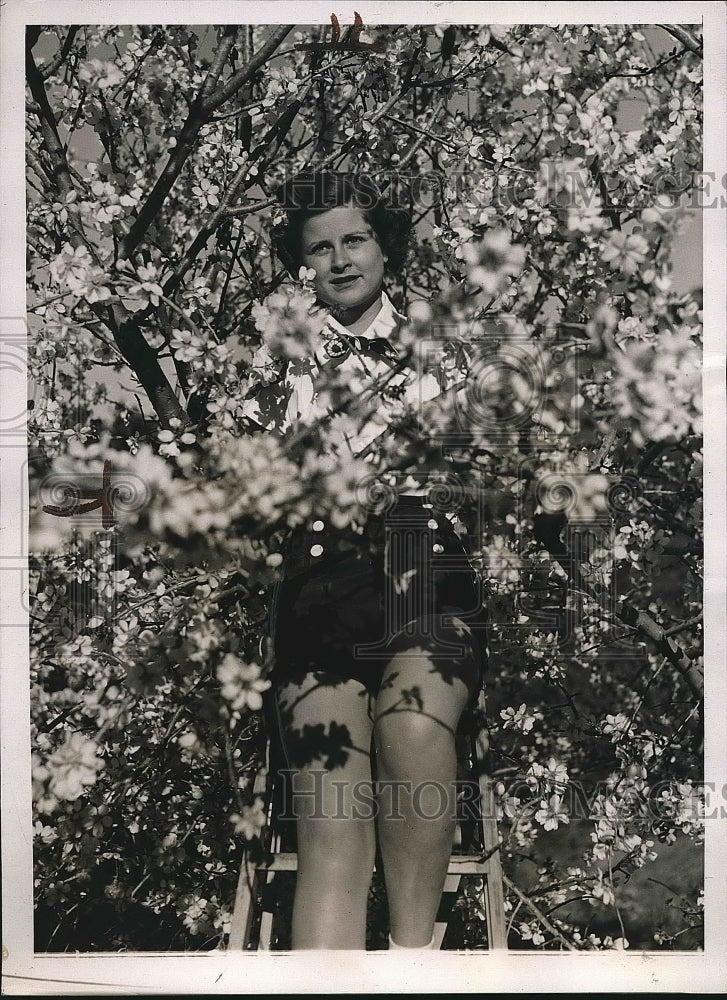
339,347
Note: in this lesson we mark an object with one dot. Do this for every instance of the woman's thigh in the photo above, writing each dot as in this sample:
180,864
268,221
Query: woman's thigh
325,724
435,667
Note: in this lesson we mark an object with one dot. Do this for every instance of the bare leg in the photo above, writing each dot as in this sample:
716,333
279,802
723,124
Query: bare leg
326,727
416,716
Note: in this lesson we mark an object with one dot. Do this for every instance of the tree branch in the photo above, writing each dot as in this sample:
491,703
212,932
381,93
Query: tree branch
651,69
62,55
199,114
33,161
143,361
250,207
229,36
126,329
206,231
606,446
685,37
153,44
59,174
424,132
419,141
320,165
269,146
213,102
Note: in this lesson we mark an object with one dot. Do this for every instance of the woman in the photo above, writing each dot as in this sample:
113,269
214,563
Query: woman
378,642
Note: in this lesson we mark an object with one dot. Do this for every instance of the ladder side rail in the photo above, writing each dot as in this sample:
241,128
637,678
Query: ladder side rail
249,885
493,882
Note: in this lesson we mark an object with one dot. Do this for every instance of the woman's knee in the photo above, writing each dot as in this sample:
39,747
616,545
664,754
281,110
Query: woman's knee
409,743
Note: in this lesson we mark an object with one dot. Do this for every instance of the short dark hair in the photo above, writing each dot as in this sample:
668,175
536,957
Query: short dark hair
313,192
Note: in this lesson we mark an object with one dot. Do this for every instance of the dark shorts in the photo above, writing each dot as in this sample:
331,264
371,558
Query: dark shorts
348,602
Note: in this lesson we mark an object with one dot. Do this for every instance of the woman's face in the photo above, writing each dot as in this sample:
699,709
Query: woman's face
341,247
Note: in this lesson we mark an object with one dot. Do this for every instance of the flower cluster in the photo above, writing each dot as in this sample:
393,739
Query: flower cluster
75,269
67,772
241,684
290,323
493,260
658,386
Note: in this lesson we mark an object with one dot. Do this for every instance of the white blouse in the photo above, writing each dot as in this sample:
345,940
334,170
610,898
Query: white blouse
298,399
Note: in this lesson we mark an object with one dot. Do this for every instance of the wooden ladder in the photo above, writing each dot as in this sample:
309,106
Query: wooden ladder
255,879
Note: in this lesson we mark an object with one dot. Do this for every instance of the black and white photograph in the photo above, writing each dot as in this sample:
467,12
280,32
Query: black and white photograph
363,497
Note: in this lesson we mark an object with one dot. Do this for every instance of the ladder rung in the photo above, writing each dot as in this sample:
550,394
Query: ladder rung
462,864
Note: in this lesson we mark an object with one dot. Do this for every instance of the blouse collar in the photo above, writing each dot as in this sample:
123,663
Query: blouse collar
382,325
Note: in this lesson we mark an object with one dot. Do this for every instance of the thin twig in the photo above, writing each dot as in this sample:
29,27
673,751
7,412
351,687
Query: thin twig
421,131
535,909
137,66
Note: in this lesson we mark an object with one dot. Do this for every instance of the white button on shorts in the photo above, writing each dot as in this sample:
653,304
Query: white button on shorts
318,525
316,550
